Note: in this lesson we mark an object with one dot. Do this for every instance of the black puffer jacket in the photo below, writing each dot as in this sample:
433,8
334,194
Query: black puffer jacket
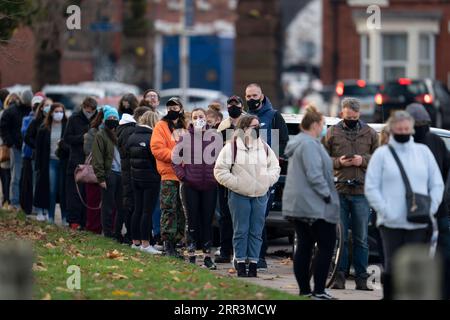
11,123
124,132
143,163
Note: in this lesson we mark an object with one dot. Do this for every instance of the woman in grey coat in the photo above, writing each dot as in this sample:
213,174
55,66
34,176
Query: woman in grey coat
311,203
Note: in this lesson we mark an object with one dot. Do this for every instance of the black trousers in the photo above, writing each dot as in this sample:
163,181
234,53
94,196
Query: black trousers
112,198
393,240
225,223
75,208
146,197
26,186
5,177
324,234
199,207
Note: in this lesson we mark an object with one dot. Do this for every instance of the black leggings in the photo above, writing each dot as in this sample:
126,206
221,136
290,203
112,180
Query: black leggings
112,198
5,176
145,199
324,234
199,207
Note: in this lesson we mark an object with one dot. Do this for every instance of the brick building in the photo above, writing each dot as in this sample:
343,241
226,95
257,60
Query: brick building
413,41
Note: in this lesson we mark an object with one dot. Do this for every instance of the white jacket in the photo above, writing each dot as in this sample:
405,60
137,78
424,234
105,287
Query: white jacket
253,172
384,187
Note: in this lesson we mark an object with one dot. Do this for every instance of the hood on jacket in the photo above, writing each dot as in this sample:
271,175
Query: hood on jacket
266,106
294,143
126,118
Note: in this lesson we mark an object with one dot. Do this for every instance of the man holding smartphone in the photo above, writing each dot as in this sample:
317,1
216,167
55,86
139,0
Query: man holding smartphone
351,143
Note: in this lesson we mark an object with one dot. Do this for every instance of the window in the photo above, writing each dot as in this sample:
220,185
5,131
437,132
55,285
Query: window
426,56
394,55
365,57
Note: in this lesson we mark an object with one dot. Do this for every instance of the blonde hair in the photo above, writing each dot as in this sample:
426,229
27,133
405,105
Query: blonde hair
149,118
10,97
311,116
384,136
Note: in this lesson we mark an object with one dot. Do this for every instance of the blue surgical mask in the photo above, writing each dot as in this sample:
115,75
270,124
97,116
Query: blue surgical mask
47,109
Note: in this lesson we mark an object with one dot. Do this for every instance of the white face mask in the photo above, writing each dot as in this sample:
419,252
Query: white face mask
58,116
199,123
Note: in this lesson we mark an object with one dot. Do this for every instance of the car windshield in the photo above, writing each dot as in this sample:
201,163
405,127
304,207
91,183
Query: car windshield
412,90
357,91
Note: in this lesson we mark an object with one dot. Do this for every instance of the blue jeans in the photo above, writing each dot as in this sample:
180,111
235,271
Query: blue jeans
355,213
55,174
16,170
248,215
156,219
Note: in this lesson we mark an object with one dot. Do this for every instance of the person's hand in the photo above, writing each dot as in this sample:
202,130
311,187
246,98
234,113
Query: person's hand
103,185
345,162
357,160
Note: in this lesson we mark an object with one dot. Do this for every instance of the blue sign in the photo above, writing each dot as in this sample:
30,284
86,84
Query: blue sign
105,27
189,13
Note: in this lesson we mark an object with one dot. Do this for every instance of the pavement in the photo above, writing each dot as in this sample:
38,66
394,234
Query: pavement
280,273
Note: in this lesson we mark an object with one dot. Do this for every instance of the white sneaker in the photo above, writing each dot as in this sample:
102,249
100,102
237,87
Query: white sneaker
136,247
151,250
158,247
40,217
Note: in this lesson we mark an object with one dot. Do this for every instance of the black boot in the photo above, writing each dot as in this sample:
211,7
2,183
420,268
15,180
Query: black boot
252,270
361,283
169,249
387,287
339,282
241,269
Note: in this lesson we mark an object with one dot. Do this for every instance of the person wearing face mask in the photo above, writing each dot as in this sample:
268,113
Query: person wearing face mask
386,192
271,119
194,167
49,169
311,203
226,128
26,177
10,125
248,167
77,125
107,168
437,146
165,135
351,143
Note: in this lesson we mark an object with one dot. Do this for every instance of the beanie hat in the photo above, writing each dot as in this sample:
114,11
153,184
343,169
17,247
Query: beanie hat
418,112
38,98
109,111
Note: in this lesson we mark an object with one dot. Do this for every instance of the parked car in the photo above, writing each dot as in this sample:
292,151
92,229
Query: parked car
113,90
397,95
72,95
197,98
278,227
360,89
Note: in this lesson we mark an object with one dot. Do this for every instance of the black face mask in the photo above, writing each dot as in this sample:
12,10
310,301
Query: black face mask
234,111
421,132
173,115
351,124
402,138
127,111
253,104
111,124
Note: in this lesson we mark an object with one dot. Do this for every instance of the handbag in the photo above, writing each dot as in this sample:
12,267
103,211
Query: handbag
84,173
418,205
4,153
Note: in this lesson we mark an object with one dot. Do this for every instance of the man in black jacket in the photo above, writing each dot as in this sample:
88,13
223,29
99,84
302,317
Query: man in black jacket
273,122
10,125
442,156
77,126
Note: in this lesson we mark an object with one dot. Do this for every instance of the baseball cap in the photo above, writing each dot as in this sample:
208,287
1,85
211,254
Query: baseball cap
174,100
38,98
235,99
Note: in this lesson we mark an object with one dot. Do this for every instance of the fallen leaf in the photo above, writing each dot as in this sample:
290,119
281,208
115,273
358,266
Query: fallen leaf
117,276
50,245
259,295
138,270
47,297
174,272
113,254
208,286
286,261
176,279
224,285
39,267
112,267
231,270
61,240
122,293
65,262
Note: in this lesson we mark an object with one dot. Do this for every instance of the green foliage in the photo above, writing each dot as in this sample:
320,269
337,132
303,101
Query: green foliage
136,23
12,14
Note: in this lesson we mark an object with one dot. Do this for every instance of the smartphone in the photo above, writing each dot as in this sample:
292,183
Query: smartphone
349,156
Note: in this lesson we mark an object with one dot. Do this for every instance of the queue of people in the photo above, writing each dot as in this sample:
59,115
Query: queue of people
162,177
